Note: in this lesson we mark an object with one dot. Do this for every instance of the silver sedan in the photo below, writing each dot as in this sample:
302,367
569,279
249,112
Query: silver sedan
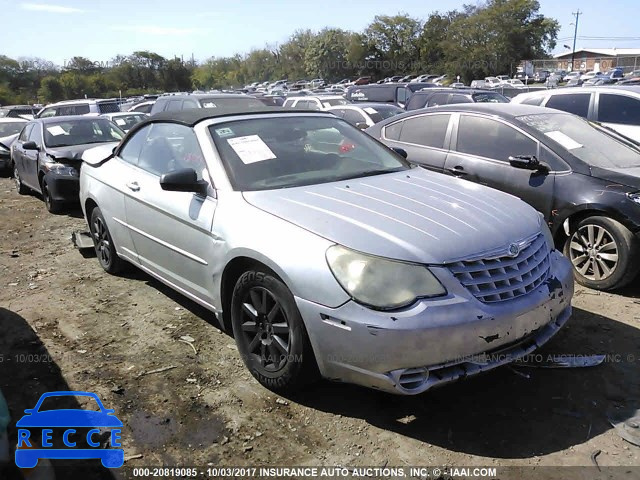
324,251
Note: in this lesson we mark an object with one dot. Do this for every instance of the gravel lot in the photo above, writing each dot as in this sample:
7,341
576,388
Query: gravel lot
67,325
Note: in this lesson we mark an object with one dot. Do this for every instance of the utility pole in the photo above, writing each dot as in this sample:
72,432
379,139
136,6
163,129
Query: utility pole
575,35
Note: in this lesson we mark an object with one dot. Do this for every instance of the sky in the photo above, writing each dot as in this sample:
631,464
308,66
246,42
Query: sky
60,29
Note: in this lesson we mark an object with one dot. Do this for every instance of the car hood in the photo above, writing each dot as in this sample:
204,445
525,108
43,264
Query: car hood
625,176
7,141
69,418
97,155
413,215
74,152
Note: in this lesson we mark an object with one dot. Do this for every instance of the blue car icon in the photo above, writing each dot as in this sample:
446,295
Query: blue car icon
27,455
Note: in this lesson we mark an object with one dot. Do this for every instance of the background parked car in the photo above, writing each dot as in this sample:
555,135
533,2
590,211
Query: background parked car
48,153
583,178
142,107
172,103
443,96
79,107
309,102
394,93
364,115
9,130
18,111
616,106
125,120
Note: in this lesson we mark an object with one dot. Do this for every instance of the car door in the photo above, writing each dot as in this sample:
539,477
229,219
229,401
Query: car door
425,138
171,231
620,112
480,152
17,152
30,158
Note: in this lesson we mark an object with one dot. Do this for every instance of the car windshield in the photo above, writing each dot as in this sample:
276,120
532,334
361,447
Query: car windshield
589,142
10,128
291,151
69,402
125,122
489,97
215,102
80,132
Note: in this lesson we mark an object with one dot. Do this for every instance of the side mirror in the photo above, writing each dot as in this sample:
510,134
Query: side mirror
400,151
362,125
30,145
183,180
528,162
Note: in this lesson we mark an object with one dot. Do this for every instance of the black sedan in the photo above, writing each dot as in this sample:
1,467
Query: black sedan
583,177
47,155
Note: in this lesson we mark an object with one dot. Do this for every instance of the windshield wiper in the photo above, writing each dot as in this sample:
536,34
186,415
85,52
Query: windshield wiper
614,133
370,173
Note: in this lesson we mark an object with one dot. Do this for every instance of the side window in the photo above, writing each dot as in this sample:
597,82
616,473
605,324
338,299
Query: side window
417,101
48,112
457,98
82,109
354,117
427,130
401,95
392,132
36,134
24,134
67,110
302,104
619,109
131,150
173,106
170,147
288,103
189,104
576,103
492,139
556,164
339,112
438,99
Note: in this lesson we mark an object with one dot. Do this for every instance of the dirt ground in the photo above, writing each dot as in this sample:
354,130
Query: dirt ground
65,324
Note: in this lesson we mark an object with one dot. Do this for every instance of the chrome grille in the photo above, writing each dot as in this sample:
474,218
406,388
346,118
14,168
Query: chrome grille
505,277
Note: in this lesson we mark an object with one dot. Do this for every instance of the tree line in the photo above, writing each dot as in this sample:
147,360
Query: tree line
476,41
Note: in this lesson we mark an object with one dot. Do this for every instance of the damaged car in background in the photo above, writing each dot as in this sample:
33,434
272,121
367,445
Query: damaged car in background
47,155
348,262
9,130
582,176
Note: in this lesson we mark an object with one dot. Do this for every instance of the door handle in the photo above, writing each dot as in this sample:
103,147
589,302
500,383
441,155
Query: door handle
133,186
458,170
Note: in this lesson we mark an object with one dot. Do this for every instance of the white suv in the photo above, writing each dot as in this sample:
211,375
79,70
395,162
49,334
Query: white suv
617,107
92,106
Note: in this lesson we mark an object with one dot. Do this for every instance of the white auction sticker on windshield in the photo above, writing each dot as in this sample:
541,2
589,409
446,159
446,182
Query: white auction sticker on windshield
251,149
564,140
371,111
56,130
120,121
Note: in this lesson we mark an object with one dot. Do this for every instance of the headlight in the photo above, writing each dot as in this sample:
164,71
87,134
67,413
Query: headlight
634,197
60,169
379,282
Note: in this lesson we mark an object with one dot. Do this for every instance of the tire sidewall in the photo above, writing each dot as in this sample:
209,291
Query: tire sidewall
289,374
113,264
625,254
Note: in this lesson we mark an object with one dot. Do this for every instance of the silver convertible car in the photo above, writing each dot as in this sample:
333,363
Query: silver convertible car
324,251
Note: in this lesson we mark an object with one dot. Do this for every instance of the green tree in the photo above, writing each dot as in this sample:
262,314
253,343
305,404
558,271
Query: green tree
50,90
393,41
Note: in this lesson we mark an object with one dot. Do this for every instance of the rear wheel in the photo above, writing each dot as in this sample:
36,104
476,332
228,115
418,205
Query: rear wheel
270,333
604,253
105,249
20,187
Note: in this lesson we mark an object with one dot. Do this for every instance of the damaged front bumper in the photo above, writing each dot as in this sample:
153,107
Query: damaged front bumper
436,341
63,187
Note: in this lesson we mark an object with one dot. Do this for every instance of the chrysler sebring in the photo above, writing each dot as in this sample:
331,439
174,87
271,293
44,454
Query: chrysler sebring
324,251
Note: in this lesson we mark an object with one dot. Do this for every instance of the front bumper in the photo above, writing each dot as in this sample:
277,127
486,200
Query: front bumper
436,341
63,188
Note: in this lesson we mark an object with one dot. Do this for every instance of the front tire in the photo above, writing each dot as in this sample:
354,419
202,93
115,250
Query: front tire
270,333
103,243
53,206
604,253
